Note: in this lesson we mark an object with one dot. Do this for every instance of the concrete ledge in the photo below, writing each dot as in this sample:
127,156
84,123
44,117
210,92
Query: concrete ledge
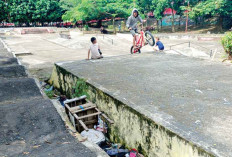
34,30
201,37
163,105
209,38
65,36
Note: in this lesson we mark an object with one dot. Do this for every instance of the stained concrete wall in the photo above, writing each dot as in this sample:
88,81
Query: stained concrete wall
131,128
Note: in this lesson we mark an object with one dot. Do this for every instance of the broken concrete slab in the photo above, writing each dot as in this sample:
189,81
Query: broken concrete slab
34,128
173,104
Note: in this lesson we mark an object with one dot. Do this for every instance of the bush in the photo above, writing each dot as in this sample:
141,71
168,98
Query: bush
80,89
49,91
110,27
49,94
227,44
86,27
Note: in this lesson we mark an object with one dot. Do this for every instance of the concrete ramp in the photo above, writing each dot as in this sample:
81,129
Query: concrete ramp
164,105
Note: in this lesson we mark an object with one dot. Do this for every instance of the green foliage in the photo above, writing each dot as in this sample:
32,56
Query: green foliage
97,9
210,8
25,11
154,32
49,94
110,26
86,27
4,10
80,89
227,43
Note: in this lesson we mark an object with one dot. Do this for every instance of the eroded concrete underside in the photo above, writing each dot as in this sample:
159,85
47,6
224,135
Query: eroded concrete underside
162,104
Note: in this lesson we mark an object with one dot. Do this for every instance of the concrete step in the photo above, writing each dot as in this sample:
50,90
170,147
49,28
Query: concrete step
16,90
12,71
34,128
6,61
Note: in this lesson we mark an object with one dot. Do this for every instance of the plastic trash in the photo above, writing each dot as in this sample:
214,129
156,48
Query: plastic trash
133,153
93,136
102,126
49,89
116,151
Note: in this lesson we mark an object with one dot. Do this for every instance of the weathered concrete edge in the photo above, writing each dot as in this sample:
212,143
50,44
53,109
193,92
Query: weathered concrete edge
98,91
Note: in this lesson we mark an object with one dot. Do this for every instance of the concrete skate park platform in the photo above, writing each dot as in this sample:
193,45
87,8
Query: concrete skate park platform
162,104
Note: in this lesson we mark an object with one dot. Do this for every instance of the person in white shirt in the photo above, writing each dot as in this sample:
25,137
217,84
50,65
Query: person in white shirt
95,50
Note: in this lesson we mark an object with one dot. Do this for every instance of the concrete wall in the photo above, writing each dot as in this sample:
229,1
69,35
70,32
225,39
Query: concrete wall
132,128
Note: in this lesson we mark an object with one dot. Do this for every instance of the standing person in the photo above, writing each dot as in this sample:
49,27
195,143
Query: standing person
95,50
132,23
158,45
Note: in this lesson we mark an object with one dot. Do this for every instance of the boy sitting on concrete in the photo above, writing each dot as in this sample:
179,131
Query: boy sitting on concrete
95,50
158,45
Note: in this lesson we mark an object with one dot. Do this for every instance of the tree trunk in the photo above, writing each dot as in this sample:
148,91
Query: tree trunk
202,21
157,25
124,25
173,27
114,26
161,24
179,22
99,23
220,24
195,22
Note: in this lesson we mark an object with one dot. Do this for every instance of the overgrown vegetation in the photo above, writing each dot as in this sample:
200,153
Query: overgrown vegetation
227,44
80,89
48,90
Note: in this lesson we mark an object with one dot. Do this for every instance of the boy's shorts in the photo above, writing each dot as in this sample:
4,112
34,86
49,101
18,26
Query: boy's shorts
133,32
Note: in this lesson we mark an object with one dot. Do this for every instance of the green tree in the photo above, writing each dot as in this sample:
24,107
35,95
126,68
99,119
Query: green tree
3,11
47,11
210,8
26,11
98,9
144,6
158,7
21,11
